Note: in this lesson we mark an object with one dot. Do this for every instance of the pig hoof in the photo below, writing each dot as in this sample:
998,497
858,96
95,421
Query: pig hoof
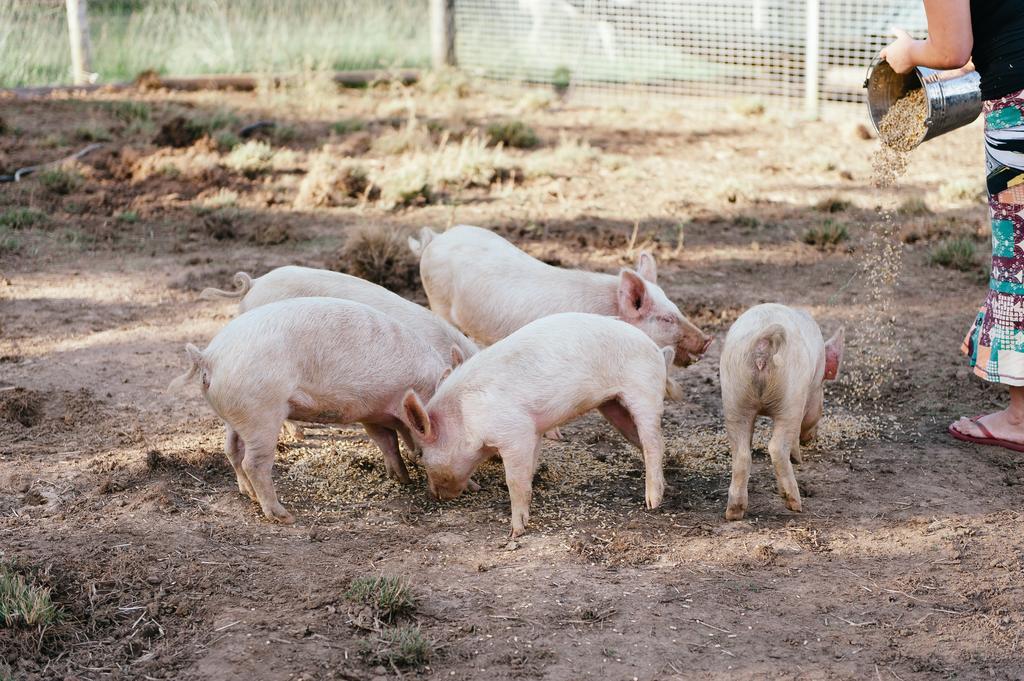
654,497
517,532
796,457
735,512
553,434
472,486
794,505
281,515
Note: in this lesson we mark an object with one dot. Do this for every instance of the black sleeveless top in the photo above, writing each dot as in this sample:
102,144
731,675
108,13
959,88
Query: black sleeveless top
998,52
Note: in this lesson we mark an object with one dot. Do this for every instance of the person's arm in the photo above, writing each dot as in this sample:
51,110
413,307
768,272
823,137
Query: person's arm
948,45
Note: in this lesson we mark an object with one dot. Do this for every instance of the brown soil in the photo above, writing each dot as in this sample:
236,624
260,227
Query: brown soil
906,563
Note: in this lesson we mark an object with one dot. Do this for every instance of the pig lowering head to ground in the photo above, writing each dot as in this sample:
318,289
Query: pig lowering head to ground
774,363
548,372
487,287
321,360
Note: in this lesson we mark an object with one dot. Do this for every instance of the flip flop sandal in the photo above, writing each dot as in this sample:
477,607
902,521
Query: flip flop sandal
989,439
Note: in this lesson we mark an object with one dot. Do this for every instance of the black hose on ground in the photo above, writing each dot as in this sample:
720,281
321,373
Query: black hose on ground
28,170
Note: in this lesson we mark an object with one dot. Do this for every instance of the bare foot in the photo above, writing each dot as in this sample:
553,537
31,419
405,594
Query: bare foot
1001,425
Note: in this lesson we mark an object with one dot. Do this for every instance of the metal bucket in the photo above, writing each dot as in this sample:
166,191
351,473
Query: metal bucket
954,98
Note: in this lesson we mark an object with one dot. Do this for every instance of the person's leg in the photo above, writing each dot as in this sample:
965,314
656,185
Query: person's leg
1007,424
994,344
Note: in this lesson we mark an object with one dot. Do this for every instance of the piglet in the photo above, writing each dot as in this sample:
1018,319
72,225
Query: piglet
774,363
550,371
487,287
321,360
296,282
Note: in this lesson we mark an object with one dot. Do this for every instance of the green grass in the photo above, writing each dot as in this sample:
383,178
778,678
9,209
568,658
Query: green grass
833,204
92,133
956,254
128,217
60,180
828,235
76,239
226,140
184,37
513,134
404,647
129,112
21,218
348,125
390,597
22,603
915,206
9,241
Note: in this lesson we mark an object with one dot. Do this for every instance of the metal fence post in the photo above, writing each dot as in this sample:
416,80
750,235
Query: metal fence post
812,63
442,32
81,51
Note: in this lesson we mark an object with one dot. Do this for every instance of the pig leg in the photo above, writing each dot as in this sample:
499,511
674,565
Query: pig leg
795,455
619,416
260,447
387,440
518,460
645,415
785,432
741,430
235,450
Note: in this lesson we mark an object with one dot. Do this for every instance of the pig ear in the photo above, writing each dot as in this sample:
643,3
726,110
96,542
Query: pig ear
634,303
446,374
457,356
834,355
646,267
415,416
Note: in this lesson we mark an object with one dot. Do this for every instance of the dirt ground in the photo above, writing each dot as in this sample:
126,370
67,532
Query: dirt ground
905,564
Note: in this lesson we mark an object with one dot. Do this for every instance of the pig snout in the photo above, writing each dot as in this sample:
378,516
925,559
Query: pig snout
445,487
692,344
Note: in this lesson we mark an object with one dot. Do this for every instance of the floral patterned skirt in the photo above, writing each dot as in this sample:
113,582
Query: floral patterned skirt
995,343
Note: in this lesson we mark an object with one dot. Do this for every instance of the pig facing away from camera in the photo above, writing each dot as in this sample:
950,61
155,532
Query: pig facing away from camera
774,363
550,371
487,287
321,360
298,282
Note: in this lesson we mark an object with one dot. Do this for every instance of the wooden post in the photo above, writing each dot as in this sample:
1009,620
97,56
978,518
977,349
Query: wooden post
812,61
81,51
442,33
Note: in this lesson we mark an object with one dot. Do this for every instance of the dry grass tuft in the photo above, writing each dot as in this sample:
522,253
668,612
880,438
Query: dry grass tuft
956,254
826,236
512,134
833,204
23,604
330,182
914,206
21,218
388,597
22,406
402,647
380,253
961,191
60,180
251,158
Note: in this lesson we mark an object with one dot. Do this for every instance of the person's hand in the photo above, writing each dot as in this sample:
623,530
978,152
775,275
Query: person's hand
898,53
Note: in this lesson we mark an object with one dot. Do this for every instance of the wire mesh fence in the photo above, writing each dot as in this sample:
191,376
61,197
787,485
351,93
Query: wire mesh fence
790,49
